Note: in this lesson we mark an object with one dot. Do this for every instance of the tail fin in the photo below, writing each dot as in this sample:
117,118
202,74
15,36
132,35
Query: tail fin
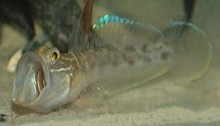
193,49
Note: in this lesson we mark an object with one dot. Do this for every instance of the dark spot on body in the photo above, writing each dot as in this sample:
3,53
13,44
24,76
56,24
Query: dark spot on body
115,63
147,59
129,48
144,48
164,56
130,62
2,117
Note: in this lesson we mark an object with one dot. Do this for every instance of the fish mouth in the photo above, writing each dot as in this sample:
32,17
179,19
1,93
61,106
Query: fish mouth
32,77
40,80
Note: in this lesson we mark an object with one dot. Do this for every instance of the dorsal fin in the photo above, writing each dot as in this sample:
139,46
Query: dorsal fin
112,30
80,40
74,38
119,32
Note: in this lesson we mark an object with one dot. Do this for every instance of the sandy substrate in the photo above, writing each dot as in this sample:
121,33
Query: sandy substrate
163,102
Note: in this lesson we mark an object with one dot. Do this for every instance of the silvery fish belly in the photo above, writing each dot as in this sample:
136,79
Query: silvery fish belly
132,53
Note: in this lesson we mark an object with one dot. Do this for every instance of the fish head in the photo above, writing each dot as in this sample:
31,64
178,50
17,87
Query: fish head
43,80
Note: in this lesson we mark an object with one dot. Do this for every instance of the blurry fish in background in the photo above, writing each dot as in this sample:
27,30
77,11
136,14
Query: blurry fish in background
58,31
19,13
188,9
188,6
23,13
58,18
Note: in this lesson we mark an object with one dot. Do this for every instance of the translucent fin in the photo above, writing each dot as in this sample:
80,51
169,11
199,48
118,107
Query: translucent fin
82,41
119,31
193,49
121,83
117,19
76,37
79,40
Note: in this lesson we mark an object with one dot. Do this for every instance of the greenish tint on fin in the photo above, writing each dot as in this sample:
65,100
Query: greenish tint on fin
112,19
119,31
102,21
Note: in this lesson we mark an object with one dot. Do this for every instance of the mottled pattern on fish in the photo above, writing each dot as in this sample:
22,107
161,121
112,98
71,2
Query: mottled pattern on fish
97,69
58,18
102,57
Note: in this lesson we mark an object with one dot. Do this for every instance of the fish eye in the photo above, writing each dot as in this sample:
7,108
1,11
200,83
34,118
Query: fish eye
55,56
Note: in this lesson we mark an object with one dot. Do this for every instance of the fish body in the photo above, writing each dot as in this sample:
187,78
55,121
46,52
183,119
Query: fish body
47,79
